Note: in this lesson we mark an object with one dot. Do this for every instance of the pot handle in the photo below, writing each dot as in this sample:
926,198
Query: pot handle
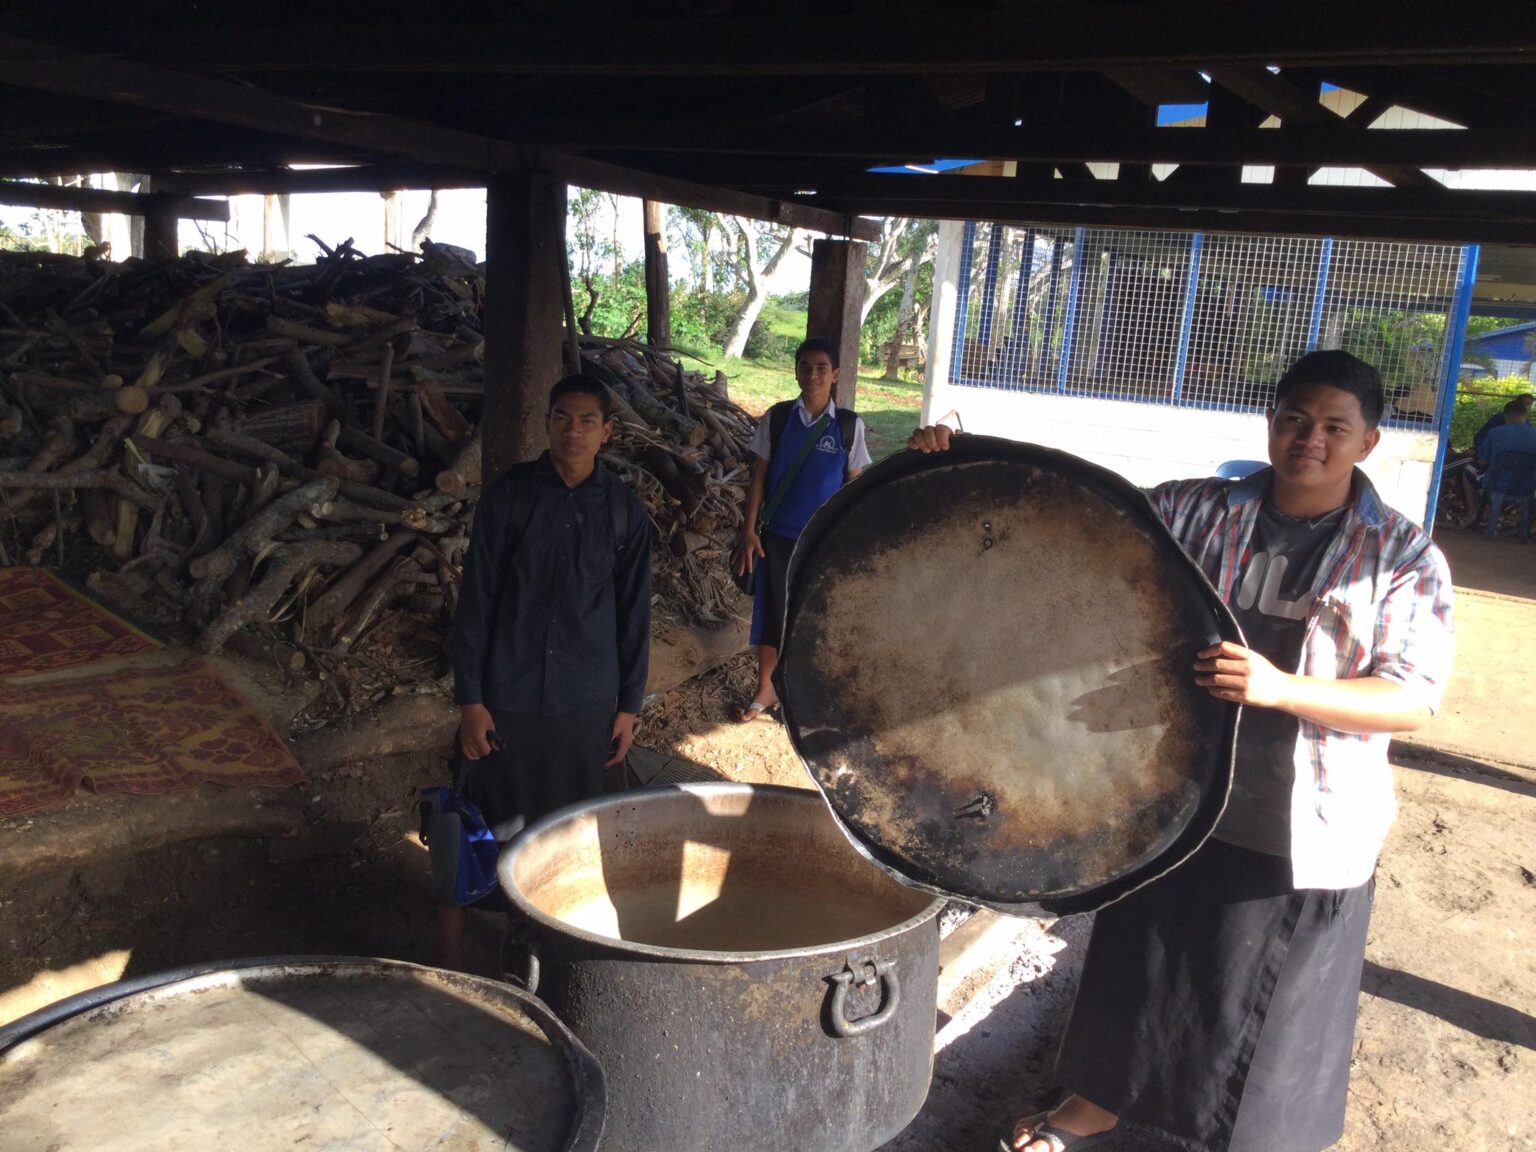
890,996
517,947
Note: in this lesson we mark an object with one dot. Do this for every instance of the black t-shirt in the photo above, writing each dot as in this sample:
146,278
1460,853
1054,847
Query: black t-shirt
1274,597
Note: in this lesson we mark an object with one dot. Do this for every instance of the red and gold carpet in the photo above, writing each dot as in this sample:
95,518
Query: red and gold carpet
141,730
45,626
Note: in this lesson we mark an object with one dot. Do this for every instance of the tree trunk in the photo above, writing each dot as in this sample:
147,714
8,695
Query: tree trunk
760,281
423,230
707,269
658,285
392,235
903,321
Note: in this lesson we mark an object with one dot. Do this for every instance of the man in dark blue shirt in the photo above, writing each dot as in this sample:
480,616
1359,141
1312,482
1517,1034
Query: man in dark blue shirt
551,642
1472,474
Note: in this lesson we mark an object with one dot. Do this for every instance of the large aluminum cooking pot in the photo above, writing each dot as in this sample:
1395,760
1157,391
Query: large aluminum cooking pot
988,669
747,981
303,1052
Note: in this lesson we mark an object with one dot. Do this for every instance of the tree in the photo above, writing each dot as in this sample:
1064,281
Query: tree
589,249
904,244
703,224
423,230
761,255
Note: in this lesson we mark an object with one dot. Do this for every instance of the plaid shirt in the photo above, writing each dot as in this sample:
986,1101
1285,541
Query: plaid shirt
1383,608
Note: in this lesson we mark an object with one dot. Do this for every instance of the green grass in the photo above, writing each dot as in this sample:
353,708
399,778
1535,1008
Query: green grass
782,320
889,408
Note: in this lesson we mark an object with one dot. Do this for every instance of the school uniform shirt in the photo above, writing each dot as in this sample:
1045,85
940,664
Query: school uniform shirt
560,619
1381,606
820,476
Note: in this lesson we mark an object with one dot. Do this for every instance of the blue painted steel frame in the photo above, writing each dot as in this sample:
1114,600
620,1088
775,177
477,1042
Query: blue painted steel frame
1319,291
1069,322
1450,371
1191,293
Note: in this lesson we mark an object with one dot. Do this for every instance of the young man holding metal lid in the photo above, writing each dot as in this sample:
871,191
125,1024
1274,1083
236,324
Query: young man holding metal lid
1217,1005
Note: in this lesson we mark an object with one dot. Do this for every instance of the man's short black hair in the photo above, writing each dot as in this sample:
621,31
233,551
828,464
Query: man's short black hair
580,385
816,344
1516,408
1337,369
1526,400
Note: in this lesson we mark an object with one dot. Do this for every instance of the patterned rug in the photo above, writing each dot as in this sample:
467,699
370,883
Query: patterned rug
146,731
46,625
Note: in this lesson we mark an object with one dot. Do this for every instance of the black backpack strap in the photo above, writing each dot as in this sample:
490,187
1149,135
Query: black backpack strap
778,418
520,510
847,422
618,513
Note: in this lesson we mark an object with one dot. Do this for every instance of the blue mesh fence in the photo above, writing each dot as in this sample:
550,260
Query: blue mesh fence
1208,321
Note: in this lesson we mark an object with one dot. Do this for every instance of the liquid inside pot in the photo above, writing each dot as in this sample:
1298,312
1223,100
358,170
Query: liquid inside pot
740,871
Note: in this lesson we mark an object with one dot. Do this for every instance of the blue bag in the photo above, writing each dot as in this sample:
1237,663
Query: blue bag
461,848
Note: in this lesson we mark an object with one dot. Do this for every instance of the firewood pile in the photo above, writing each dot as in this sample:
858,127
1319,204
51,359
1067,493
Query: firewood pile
284,460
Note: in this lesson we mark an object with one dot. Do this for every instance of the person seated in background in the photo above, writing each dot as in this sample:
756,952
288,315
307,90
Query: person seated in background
1514,435
1472,474
1217,1004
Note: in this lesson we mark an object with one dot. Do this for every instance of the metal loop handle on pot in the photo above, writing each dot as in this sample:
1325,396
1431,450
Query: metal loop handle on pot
519,961
890,995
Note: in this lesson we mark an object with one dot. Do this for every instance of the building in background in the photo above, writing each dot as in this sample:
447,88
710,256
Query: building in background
1156,353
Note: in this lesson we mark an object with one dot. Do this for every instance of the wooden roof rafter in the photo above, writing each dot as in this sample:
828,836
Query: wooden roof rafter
42,67
1092,36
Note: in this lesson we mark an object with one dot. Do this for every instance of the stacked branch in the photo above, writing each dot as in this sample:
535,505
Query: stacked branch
286,460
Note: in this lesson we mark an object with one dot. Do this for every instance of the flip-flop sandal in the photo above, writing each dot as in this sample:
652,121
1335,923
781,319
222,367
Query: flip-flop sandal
1060,1141
755,711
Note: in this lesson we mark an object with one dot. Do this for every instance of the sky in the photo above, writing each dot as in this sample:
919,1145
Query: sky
333,217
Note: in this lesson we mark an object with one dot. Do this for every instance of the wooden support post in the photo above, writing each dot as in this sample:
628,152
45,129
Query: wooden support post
525,242
162,228
658,289
836,307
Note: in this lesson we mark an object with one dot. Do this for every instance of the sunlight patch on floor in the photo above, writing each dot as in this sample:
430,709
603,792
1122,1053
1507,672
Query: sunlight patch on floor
54,984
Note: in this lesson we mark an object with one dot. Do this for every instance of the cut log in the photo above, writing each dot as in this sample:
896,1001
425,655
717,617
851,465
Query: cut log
87,478
214,568
257,604
398,581
464,473
444,416
336,599
267,650
416,723
289,427
186,451
302,372
365,445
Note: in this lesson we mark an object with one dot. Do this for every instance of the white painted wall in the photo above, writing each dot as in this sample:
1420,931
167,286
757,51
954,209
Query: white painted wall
1145,443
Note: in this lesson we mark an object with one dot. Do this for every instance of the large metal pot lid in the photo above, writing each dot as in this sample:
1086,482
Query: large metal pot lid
316,1052
987,668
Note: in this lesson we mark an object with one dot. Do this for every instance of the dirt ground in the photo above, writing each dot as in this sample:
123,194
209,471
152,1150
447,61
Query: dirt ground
1446,1041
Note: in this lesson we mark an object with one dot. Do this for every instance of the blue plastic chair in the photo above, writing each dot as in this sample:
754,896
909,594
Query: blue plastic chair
1238,469
1510,476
